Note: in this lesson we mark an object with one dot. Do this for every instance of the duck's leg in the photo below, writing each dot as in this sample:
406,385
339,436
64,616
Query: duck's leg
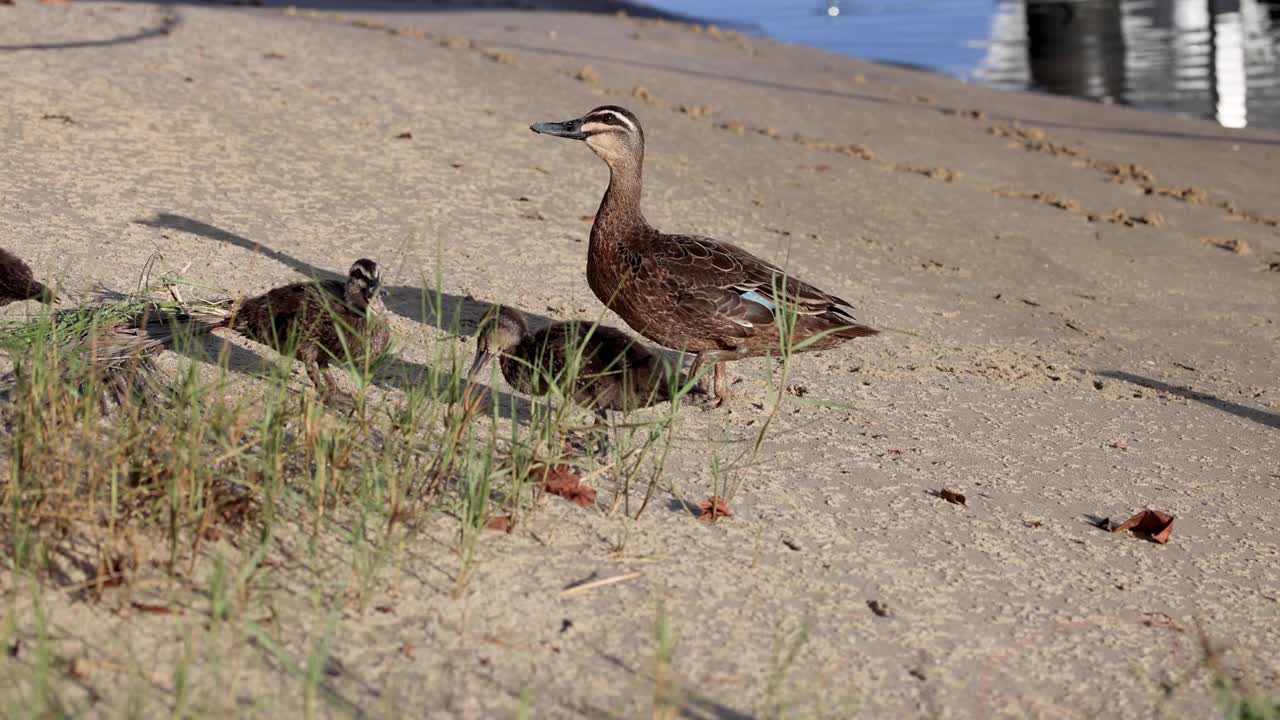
326,389
719,377
720,385
601,433
699,360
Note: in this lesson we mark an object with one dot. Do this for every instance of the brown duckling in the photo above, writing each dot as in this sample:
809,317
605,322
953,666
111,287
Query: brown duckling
614,372
17,282
319,322
686,292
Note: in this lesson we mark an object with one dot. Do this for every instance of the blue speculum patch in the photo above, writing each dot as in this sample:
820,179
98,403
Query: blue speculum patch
756,297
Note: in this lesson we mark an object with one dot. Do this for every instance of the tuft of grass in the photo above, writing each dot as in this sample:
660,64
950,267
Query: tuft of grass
666,690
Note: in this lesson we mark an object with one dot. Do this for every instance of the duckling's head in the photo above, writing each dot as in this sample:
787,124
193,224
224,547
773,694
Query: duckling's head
612,132
500,332
364,284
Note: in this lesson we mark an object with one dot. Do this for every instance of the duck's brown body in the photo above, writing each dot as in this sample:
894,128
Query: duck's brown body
18,283
686,292
318,322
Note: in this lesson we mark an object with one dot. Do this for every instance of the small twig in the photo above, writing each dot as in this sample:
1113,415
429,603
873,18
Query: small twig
602,582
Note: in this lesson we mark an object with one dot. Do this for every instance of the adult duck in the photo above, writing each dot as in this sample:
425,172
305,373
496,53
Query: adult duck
686,292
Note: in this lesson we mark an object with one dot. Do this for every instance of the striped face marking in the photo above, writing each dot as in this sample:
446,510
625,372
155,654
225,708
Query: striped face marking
608,119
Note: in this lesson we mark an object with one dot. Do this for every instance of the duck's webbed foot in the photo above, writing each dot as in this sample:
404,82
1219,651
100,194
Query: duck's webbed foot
601,435
594,442
326,389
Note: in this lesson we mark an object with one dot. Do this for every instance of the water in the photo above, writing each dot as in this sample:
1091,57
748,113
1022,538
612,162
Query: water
1217,59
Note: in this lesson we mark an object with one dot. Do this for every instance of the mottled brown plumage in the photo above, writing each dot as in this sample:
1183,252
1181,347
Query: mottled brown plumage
597,367
686,292
319,323
17,282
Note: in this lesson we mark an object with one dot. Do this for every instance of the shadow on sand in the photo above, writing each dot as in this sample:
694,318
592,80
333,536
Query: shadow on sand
1261,417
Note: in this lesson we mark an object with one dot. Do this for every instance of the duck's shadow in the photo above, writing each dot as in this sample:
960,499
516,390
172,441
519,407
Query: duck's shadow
452,313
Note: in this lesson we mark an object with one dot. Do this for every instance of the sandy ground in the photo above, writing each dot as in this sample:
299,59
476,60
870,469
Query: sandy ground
1082,348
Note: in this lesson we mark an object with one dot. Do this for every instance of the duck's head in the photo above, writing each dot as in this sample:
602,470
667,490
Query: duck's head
364,284
500,332
613,132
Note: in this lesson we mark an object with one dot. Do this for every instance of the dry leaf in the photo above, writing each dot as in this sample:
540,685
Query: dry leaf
564,481
880,608
406,135
588,218
713,508
501,523
1160,621
408,649
952,495
1155,525
273,56
385,609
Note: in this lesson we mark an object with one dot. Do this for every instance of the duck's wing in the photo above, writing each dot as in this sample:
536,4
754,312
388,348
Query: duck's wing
722,278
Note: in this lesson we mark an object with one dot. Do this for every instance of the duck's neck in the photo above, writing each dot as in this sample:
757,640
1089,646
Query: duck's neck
619,214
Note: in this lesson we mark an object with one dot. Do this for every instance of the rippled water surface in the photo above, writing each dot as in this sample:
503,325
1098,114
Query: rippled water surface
1217,59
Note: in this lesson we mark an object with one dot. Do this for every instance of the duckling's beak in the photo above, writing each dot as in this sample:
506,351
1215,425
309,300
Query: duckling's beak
470,394
571,129
383,292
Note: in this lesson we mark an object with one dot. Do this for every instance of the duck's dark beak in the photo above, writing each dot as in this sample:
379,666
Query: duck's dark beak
571,129
482,358
383,292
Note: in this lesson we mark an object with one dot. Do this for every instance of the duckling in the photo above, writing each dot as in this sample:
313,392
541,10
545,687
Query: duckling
17,282
686,292
614,372
319,322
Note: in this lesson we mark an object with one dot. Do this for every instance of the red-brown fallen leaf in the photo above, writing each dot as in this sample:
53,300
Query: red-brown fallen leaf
1155,525
822,167
589,218
952,495
55,2
406,135
408,649
385,608
273,56
154,609
501,523
213,533
714,507
563,480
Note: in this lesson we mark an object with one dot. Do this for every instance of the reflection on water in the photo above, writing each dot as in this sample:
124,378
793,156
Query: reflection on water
1216,59
1212,58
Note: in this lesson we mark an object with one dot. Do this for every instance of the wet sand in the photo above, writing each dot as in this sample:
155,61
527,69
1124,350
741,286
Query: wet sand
1082,345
